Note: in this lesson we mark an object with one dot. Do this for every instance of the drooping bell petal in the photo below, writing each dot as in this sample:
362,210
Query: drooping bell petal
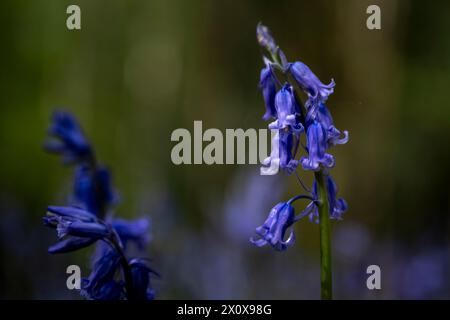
141,273
101,284
93,189
268,87
273,231
317,146
70,244
136,231
286,146
337,205
72,213
310,83
91,230
70,140
286,108
323,116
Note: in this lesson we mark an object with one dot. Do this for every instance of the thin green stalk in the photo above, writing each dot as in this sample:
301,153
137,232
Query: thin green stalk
325,238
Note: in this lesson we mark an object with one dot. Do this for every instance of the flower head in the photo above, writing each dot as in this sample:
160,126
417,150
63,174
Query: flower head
317,147
76,228
141,273
265,38
287,110
68,139
273,231
308,81
81,226
337,205
136,231
268,87
101,284
93,188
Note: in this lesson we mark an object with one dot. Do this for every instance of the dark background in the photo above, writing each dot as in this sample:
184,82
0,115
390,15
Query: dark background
140,69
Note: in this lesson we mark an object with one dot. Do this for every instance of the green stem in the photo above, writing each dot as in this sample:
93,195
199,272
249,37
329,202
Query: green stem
325,237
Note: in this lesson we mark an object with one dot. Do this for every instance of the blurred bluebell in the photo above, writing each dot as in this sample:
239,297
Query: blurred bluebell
68,139
73,222
93,189
101,284
71,244
265,38
141,273
136,231
90,220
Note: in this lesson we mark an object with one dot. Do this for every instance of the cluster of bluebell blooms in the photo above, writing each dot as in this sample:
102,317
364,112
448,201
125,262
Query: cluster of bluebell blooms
88,220
291,119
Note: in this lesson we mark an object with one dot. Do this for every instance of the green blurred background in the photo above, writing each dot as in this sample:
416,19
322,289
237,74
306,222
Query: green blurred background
140,69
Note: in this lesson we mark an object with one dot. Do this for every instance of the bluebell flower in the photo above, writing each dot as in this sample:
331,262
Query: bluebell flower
337,205
322,115
93,188
71,244
287,111
287,151
76,228
69,139
308,81
265,38
268,87
317,146
83,225
273,231
136,231
141,273
101,284
282,155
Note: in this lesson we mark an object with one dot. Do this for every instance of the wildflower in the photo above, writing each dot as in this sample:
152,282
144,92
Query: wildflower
282,154
323,116
141,273
337,206
265,38
71,221
268,87
101,284
317,146
135,231
291,120
93,189
273,231
287,111
81,226
308,81
68,139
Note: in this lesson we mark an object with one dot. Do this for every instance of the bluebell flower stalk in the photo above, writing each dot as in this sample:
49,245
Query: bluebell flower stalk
279,82
87,220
